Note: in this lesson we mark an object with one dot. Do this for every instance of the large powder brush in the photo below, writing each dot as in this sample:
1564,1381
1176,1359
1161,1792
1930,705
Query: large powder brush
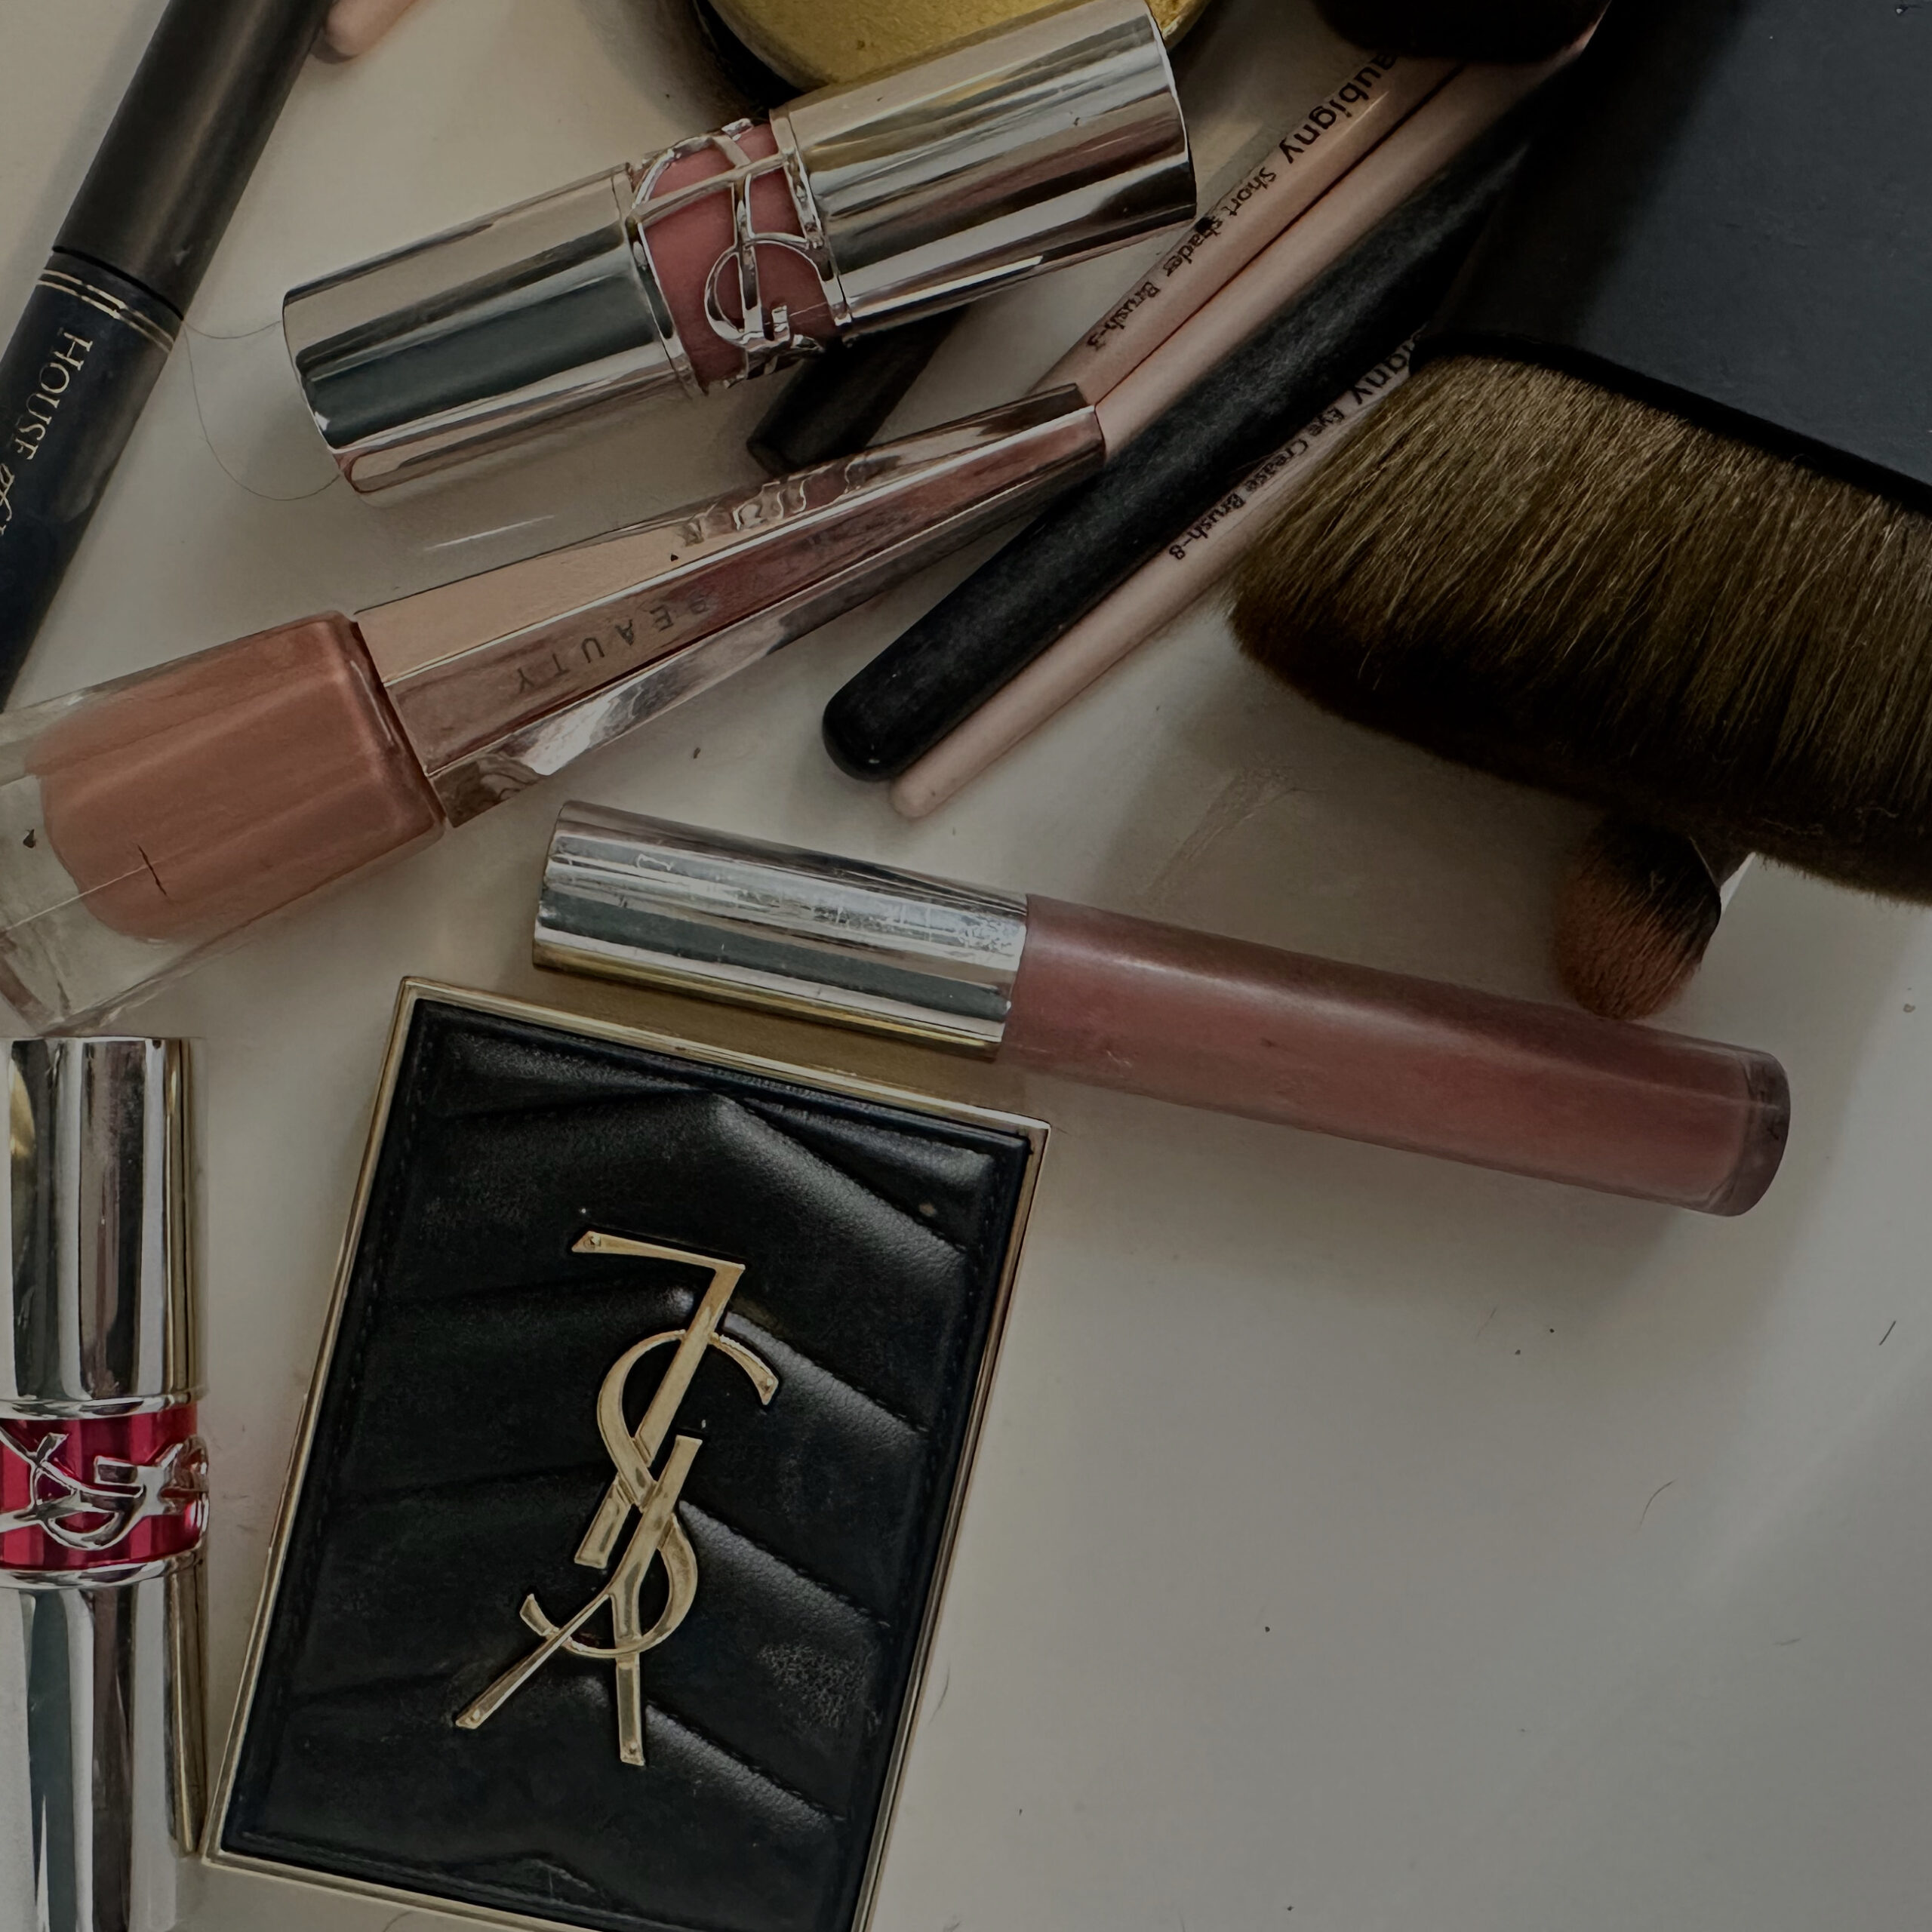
1650,526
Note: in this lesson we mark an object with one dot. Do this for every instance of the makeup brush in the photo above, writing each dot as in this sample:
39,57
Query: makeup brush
1469,29
1186,569
1636,913
990,627
1649,526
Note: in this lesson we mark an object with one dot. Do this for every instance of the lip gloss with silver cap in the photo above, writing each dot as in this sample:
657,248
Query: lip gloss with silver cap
102,1491
1191,1018
1025,148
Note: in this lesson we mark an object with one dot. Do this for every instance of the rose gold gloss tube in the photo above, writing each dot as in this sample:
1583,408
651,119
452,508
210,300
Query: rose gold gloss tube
1186,1016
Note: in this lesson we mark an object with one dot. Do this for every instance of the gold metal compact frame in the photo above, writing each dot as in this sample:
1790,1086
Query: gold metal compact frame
414,993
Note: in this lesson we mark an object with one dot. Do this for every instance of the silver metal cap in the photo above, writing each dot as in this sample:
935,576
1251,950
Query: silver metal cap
476,340
97,1228
1023,148
1033,145
654,903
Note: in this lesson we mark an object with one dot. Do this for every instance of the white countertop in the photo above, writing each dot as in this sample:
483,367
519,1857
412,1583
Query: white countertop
1357,1542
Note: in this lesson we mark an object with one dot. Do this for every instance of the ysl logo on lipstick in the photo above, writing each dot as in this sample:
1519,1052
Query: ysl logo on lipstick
657,1536
96,1515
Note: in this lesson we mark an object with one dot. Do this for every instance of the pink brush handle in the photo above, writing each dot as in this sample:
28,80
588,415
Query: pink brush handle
1432,137
1337,130
1535,1089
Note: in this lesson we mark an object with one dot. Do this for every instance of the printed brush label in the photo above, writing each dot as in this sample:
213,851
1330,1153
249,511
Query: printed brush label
1366,89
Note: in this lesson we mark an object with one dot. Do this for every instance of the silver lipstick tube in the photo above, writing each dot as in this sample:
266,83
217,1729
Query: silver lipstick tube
1032,146
103,1493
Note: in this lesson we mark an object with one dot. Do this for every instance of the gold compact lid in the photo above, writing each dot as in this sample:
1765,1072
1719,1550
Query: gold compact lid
813,42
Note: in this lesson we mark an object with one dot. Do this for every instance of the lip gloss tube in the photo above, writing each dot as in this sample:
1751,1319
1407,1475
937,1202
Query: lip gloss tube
152,821
1191,1018
1021,149
103,1481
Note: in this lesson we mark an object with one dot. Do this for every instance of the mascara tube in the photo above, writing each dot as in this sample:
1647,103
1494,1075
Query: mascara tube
1190,1018
104,314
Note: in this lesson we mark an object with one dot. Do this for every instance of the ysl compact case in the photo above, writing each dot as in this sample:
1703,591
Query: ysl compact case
624,1496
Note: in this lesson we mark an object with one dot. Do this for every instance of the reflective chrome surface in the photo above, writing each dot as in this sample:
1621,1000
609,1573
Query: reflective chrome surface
102,1775
1035,144
1021,148
97,1228
474,339
497,691
658,904
103,1781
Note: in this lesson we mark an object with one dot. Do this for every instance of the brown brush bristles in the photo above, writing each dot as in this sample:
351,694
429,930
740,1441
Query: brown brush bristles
1634,919
1465,29
1524,571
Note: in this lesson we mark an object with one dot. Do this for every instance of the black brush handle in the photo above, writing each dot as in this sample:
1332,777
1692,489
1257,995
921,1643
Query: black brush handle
839,401
993,625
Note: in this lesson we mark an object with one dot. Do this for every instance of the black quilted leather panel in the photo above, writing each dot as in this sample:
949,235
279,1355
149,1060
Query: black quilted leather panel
458,1463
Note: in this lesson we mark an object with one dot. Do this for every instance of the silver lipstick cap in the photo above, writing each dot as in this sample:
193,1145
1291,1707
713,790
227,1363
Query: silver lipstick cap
103,1492
1033,145
656,904
97,1220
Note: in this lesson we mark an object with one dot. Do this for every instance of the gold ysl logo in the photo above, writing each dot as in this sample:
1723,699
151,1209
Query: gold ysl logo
659,1536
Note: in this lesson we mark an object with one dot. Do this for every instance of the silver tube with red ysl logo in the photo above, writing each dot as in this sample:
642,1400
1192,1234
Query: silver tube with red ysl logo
103,1482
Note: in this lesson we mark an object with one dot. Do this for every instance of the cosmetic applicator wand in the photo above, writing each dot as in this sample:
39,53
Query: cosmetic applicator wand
1185,1016
99,325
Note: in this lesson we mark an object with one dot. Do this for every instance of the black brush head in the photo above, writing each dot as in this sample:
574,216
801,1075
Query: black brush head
1464,29
1528,573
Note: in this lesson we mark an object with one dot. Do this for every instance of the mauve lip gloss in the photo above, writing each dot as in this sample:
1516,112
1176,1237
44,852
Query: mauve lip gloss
149,821
1031,145
1191,1018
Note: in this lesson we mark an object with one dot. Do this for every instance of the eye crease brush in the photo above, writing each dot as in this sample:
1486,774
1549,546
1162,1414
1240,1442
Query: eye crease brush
1174,466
